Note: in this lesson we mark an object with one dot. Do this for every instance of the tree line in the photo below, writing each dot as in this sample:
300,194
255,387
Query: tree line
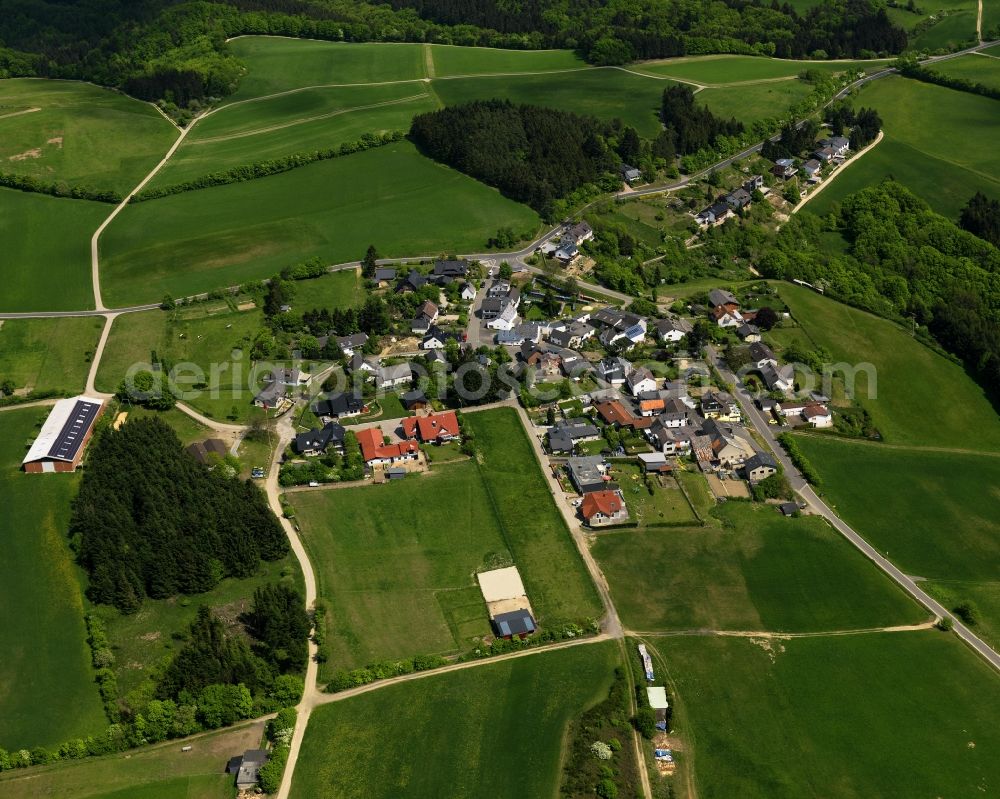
917,72
149,521
531,154
689,127
271,166
58,188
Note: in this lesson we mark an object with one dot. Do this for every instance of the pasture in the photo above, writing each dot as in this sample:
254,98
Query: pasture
142,640
277,65
936,514
47,692
161,771
984,598
80,134
977,68
753,102
856,717
927,145
48,354
450,60
750,569
457,734
397,579
922,397
35,261
392,196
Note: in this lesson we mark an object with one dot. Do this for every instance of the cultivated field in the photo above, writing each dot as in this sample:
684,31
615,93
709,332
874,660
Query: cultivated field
162,771
923,398
935,513
48,354
398,580
393,197
455,735
47,693
927,147
80,134
36,262
750,569
860,716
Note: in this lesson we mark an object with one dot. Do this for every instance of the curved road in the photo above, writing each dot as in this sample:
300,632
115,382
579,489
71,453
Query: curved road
819,507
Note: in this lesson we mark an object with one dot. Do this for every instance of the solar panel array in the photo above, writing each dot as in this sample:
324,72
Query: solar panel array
74,431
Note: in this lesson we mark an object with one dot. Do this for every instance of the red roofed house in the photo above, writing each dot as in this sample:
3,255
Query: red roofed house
434,427
375,452
601,508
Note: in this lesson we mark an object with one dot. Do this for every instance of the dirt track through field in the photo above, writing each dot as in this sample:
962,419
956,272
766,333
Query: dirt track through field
19,113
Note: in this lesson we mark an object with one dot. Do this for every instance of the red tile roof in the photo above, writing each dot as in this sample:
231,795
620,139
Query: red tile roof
607,503
372,447
432,426
651,405
614,412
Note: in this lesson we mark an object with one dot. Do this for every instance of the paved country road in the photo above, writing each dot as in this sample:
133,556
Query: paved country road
818,506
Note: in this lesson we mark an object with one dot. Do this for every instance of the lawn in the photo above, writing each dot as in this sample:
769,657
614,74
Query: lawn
142,640
342,289
974,67
81,134
927,146
48,354
398,581
47,692
162,771
665,505
392,197
35,261
456,735
922,397
756,571
936,514
315,119
279,64
553,571
450,60
855,717
716,69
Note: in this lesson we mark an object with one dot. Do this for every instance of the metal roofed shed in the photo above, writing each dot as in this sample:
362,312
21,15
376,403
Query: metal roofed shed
60,444
657,698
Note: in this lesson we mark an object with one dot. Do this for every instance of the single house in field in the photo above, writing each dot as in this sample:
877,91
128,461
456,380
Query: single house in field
391,376
588,473
432,428
377,453
205,451
759,467
515,623
247,767
60,444
316,441
602,508
339,405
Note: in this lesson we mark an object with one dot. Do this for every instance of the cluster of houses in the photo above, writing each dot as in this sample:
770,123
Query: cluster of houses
499,310
566,248
832,150
727,205
279,388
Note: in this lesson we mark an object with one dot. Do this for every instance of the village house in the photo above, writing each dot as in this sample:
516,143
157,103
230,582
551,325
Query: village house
613,371
748,332
359,364
565,434
730,445
339,405
630,174
759,467
588,473
668,440
672,330
392,376
376,452
738,199
838,144
351,344
811,168
450,269
206,451
640,381
317,441
270,396
426,316
761,354
784,168
433,428
778,378
246,767
384,276
414,281
578,233
817,415
467,292
603,508
717,297
727,316
720,405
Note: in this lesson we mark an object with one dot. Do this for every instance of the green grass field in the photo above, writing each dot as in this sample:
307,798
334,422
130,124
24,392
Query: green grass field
927,146
715,69
162,771
142,640
984,597
758,101
935,513
755,571
47,693
393,197
48,354
665,505
456,735
80,134
956,30
398,580
974,67
36,262
277,64
923,398
855,717
293,123
451,60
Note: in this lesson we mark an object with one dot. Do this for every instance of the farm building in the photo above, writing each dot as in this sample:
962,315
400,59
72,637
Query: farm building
63,438
247,767
515,623
506,602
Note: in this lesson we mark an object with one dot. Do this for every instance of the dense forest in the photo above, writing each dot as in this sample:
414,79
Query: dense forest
691,127
175,50
151,521
981,216
533,155
904,260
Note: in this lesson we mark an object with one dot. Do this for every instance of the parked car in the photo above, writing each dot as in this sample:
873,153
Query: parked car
313,484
